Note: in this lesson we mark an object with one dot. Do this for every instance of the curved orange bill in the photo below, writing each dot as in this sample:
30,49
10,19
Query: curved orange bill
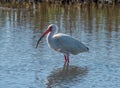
47,31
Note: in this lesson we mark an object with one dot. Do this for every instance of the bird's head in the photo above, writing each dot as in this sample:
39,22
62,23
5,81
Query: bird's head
51,28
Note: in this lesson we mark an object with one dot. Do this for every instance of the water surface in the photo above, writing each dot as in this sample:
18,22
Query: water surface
24,66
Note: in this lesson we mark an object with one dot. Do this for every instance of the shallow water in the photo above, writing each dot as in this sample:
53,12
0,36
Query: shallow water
24,66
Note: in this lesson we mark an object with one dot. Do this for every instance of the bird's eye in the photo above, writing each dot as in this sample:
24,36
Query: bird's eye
50,28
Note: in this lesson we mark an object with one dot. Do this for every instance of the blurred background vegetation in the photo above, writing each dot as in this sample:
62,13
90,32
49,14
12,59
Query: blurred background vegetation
36,3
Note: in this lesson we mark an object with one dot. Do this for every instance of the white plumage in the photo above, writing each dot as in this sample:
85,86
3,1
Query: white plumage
63,42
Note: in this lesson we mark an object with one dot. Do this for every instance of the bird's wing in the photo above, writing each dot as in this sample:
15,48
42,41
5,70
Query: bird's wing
68,44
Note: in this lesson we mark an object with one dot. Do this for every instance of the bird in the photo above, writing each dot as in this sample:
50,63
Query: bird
62,43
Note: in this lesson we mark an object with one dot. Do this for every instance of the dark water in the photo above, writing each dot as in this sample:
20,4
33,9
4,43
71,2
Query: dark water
24,66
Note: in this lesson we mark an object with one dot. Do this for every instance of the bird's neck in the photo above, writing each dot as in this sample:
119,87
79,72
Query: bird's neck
50,36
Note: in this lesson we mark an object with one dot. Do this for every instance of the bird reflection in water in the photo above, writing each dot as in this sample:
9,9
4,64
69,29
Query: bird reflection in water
66,75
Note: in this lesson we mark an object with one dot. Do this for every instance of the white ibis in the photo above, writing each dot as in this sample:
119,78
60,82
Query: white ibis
62,42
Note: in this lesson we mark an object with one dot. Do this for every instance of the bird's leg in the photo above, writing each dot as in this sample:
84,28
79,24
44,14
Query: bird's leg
66,61
65,58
